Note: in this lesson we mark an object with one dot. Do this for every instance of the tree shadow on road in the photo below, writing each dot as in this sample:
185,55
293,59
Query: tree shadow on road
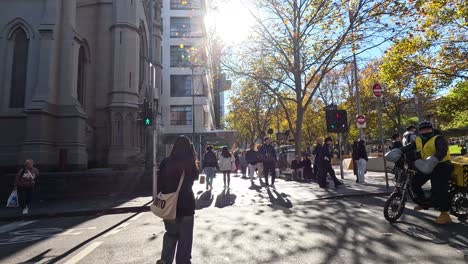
326,231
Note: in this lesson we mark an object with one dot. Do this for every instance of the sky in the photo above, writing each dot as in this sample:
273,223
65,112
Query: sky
231,20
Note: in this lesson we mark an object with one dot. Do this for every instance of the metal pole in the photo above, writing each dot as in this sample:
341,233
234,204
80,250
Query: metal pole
193,108
152,132
355,70
382,140
340,156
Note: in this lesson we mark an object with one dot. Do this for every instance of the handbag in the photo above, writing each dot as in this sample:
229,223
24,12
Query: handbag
13,199
165,204
233,166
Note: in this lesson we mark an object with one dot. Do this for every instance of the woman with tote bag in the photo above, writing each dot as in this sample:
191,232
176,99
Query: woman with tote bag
176,175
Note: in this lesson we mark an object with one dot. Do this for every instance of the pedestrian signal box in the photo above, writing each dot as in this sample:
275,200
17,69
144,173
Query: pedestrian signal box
145,114
337,121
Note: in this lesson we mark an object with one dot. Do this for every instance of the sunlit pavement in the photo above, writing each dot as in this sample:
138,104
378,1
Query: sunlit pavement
256,225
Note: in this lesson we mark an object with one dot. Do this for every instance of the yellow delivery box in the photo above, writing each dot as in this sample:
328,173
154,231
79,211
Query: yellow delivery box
460,172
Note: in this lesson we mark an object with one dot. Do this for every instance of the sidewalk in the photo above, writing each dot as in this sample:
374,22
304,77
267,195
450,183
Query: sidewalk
295,192
66,208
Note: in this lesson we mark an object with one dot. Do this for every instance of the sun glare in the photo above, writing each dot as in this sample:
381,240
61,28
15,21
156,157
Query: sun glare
232,21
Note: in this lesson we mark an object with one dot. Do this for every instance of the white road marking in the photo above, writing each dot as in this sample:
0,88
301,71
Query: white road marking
116,230
15,225
136,217
84,253
76,231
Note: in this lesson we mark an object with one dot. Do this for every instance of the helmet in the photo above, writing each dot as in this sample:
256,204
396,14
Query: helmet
410,127
425,124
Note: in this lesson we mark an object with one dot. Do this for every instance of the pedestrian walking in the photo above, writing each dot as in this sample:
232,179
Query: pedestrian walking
226,164
24,183
252,159
243,164
307,167
409,136
362,163
355,159
316,153
298,168
237,161
267,155
210,164
259,164
325,166
179,232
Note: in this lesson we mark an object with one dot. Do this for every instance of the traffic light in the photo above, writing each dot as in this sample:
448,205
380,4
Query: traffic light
337,121
145,115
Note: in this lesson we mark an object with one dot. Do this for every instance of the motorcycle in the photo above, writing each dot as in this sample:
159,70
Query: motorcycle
404,174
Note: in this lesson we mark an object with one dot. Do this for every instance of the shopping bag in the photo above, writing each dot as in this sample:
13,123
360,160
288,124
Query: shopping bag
233,167
202,179
13,199
165,204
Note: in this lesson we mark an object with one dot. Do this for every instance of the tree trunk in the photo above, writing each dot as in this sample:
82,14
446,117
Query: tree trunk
298,134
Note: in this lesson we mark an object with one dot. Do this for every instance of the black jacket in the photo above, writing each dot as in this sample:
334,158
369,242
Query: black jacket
362,153
396,144
267,154
251,157
170,172
316,152
295,164
210,160
325,152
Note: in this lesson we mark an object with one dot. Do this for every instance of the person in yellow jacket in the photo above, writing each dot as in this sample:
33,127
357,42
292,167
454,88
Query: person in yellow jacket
433,164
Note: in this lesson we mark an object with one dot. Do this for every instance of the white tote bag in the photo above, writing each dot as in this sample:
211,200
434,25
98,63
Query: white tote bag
165,204
13,199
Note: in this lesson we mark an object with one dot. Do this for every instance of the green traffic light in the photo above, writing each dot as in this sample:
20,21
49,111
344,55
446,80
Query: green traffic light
147,121
332,126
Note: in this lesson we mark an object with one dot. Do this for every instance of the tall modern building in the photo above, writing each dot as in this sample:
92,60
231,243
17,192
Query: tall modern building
187,103
72,73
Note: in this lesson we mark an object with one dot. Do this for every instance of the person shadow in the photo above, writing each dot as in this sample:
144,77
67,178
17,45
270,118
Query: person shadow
204,200
225,198
280,199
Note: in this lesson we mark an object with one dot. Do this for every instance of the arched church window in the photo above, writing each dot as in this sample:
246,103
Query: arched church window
19,68
80,86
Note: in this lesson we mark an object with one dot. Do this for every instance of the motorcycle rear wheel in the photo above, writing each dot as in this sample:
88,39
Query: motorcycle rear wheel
459,204
394,207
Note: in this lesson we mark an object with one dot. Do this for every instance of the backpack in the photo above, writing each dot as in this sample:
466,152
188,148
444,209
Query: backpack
210,160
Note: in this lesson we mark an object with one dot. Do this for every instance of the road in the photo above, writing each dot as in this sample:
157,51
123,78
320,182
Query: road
253,225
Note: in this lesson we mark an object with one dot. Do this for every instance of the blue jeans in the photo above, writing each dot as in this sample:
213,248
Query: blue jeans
210,173
179,233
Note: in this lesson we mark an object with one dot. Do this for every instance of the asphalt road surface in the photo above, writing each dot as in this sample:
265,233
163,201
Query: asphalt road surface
239,227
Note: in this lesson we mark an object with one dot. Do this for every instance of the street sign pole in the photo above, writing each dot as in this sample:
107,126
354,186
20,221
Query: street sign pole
379,103
340,156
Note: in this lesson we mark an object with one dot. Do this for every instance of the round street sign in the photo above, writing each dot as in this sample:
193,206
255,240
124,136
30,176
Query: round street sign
360,119
377,90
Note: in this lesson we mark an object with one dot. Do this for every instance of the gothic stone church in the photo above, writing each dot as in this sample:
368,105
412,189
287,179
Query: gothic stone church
72,73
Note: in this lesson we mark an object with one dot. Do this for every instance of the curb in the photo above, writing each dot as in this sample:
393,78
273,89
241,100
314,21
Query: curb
105,211
354,195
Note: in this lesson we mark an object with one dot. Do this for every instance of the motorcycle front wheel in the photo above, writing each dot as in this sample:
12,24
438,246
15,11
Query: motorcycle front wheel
394,207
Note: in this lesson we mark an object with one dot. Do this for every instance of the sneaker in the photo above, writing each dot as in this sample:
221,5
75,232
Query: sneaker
444,218
26,211
338,184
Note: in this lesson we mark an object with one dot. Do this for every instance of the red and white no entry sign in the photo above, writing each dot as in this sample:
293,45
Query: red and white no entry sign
360,119
377,90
